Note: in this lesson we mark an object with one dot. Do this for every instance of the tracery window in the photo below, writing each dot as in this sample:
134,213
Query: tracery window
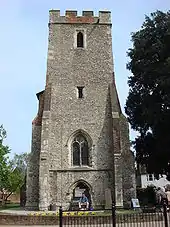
80,151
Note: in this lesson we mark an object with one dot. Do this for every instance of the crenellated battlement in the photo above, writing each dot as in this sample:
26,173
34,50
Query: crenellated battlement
71,16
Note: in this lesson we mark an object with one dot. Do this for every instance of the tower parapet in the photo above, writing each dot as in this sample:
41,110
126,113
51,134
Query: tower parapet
71,16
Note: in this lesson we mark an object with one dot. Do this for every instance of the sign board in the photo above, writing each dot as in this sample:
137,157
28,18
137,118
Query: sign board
135,203
78,192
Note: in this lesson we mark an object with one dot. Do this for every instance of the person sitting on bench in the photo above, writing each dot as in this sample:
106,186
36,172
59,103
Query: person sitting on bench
83,201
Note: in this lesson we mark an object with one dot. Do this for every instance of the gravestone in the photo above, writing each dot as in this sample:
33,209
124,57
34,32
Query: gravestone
108,199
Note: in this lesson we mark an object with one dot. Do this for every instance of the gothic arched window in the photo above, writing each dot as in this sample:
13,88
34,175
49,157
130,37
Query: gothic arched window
80,41
80,151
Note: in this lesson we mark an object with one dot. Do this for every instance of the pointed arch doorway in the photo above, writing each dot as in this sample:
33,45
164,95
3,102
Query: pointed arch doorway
79,188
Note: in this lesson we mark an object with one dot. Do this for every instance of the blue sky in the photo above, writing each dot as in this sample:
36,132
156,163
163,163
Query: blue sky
23,52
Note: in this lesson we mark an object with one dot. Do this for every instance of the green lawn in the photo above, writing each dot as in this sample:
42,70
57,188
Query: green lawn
11,206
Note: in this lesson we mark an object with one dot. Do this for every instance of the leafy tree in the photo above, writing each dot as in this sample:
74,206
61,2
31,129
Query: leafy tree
14,182
148,102
4,168
20,161
12,172
16,174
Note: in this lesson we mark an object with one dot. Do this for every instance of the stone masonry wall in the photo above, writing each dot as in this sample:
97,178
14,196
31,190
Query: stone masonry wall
59,155
32,192
44,163
32,184
62,185
129,179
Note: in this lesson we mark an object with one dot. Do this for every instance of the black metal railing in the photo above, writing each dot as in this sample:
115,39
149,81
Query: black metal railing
143,217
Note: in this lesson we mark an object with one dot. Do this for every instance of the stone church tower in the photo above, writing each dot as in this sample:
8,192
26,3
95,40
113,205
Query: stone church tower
80,138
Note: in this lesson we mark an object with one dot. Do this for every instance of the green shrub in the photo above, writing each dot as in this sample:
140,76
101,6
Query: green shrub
146,196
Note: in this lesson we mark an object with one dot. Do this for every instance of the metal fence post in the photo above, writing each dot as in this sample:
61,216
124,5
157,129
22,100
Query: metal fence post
60,217
113,214
165,213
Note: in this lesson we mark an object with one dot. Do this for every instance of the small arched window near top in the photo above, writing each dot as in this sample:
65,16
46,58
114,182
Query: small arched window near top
80,41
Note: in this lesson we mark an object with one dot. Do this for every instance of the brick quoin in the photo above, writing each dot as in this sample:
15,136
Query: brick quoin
80,19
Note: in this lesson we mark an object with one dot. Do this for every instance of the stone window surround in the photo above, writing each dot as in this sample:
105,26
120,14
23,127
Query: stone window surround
80,150
69,145
83,31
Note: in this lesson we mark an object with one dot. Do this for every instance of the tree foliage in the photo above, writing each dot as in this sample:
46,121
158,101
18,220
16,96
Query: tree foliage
20,161
148,102
4,151
12,172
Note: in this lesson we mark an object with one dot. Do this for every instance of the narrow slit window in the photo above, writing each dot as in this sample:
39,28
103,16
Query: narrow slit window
80,41
80,92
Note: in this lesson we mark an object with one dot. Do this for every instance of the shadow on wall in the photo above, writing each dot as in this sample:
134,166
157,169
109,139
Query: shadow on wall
105,149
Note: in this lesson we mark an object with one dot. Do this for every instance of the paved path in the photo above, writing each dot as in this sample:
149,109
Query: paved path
24,212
